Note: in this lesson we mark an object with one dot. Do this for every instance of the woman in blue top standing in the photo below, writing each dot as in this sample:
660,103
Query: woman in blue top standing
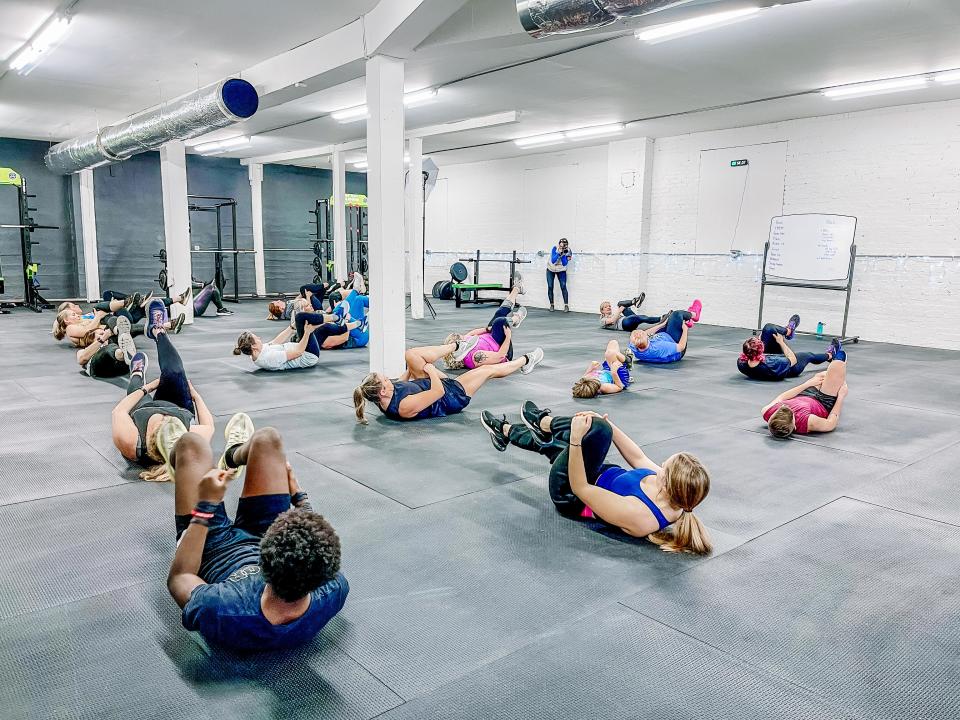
557,268
643,500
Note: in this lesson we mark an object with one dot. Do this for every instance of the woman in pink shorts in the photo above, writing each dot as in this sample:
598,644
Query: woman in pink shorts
490,345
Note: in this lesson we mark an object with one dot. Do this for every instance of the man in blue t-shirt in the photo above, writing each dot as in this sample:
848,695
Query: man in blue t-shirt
269,579
665,342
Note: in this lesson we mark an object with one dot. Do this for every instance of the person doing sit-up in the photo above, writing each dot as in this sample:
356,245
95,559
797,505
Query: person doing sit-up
643,500
608,377
268,579
812,406
769,357
492,344
665,342
622,316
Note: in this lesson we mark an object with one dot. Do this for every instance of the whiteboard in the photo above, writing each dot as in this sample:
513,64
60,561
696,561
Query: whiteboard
736,201
810,246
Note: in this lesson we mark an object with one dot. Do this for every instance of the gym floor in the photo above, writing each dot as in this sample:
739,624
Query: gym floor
832,592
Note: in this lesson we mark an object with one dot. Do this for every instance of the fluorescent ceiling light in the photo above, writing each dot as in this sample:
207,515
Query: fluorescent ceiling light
350,114
419,97
548,139
219,146
33,51
595,131
879,87
951,76
694,25
360,112
360,165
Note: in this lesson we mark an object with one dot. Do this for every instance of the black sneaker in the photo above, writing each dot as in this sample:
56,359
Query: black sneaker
494,425
224,311
532,415
133,301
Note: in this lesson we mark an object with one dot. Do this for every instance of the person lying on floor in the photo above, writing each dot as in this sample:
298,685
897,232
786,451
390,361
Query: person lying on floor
206,295
313,293
139,418
770,358
88,315
665,342
282,354
423,392
812,406
268,579
605,378
493,343
622,316
646,500
112,350
71,324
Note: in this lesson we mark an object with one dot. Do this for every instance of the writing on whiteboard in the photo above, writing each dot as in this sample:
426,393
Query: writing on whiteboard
810,246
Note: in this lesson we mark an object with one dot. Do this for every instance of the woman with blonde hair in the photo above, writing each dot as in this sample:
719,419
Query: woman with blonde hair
423,392
492,344
605,378
139,417
646,500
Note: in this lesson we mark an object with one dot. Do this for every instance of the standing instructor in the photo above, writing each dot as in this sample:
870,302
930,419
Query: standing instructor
557,268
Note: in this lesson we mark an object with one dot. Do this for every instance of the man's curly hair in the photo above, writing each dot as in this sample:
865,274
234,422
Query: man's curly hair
299,552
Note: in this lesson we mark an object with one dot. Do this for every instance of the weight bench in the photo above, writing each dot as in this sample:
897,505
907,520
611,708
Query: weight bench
458,289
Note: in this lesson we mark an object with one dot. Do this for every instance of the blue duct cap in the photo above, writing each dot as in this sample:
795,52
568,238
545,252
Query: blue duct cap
240,97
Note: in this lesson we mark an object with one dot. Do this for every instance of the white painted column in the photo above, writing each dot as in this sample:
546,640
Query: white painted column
339,215
414,228
176,220
385,190
256,207
629,190
88,231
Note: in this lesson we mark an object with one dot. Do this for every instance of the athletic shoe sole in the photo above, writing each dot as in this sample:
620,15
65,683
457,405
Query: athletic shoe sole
533,359
238,419
127,345
496,435
533,424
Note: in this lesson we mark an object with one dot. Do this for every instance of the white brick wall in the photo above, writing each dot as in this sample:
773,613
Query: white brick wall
896,169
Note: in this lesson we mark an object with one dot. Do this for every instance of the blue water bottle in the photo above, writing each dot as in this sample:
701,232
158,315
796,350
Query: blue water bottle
820,330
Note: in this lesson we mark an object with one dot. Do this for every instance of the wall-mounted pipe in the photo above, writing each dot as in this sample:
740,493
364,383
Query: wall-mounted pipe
542,18
211,108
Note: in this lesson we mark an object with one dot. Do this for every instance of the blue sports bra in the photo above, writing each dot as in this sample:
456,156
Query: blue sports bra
626,483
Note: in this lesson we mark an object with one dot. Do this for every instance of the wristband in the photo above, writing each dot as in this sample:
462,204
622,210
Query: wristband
574,444
205,508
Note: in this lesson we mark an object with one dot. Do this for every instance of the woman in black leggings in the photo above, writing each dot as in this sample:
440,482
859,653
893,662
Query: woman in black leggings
138,418
770,358
111,350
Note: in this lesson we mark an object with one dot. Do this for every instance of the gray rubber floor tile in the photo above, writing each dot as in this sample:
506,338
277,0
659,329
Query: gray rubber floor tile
615,665
928,487
759,482
42,467
444,590
881,430
123,655
914,390
857,603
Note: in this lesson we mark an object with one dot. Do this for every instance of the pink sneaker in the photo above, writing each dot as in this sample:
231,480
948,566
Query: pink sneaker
695,307
587,513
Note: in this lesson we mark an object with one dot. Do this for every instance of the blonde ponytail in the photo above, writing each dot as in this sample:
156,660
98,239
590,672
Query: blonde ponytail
686,482
359,403
369,389
156,473
60,325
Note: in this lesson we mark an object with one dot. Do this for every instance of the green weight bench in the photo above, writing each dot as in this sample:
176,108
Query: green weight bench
459,288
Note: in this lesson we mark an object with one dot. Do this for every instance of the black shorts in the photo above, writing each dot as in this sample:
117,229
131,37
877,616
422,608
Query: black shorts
828,401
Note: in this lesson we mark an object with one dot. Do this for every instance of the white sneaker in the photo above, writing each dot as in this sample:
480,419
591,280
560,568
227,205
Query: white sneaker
465,347
122,326
239,429
533,359
518,317
127,345
518,283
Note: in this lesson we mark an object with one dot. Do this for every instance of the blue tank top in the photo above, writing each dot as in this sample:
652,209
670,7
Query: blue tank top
626,483
453,401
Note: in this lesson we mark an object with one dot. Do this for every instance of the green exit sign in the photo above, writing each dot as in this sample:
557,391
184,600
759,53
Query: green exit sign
739,163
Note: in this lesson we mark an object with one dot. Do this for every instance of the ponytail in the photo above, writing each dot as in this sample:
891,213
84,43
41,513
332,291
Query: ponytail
156,473
686,482
60,325
369,389
359,404
244,344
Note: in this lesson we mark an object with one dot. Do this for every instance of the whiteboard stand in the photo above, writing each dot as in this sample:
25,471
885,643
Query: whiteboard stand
847,288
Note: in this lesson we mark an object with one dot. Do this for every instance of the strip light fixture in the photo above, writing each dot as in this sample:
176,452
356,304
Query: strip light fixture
878,87
364,164
947,78
680,28
219,146
361,112
39,47
555,138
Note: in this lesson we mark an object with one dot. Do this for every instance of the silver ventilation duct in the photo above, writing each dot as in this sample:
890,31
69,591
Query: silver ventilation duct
211,108
542,18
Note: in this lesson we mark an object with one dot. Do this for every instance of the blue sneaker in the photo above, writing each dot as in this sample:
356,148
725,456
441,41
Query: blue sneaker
835,351
792,326
138,364
156,317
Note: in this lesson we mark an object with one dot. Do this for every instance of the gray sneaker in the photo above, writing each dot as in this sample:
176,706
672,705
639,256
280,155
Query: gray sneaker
518,317
518,283
122,325
126,344
465,347
533,359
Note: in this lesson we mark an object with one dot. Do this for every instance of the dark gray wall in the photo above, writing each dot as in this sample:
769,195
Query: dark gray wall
55,252
289,194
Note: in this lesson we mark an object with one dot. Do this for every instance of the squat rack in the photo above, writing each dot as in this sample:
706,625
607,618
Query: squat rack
32,298
218,204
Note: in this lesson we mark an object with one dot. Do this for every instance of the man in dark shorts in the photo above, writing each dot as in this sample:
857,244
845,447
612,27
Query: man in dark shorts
270,579
813,406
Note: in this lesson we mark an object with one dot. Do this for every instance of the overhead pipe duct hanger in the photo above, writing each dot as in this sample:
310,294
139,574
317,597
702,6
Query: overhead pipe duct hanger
543,18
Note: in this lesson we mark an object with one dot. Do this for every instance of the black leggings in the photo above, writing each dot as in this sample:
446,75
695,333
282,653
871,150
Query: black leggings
173,386
111,322
499,324
319,292
113,295
104,363
772,347
594,447
675,321
318,336
631,320
208,294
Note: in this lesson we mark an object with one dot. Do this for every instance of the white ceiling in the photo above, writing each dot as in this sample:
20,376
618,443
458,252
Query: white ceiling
121,56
